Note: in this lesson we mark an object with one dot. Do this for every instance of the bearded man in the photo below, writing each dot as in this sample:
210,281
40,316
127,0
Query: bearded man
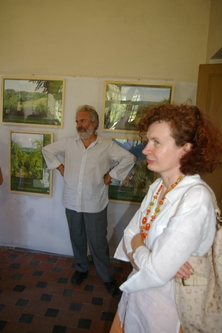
88,159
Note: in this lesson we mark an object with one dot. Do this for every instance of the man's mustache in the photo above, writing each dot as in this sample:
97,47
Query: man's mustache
81,128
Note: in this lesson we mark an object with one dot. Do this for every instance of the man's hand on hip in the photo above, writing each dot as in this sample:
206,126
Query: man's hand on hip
61,169
107,179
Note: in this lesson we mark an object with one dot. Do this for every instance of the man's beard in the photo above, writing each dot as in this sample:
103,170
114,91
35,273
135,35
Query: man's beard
87,132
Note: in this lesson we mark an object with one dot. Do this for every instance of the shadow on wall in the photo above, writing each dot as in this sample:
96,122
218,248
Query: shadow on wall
121,224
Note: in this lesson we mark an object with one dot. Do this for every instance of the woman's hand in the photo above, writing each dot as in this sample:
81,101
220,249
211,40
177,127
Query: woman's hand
185,271
130,256
136,242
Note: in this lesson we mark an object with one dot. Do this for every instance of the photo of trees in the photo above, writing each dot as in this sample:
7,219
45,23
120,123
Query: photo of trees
27,165
124,103
32,101
135,186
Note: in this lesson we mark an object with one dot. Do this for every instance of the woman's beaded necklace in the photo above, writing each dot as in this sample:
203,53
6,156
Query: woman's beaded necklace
147,224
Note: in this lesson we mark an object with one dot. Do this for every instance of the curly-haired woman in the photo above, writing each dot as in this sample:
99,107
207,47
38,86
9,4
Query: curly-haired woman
175,220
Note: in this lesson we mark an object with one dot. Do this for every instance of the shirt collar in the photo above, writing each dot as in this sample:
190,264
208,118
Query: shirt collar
98,139
175,195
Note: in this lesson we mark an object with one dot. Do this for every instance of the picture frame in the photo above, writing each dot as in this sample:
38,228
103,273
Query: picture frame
32,101
28,173
135,186
124,103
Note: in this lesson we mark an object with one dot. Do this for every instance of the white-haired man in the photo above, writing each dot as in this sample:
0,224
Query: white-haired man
88,158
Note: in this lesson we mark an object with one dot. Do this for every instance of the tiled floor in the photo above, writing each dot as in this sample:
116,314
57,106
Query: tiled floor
36,295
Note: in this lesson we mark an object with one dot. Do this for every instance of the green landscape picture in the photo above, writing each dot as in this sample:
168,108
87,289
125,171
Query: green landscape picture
135,186
28,168
36,102
125,103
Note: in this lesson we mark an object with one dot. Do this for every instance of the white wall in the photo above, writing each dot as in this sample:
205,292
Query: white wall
38,222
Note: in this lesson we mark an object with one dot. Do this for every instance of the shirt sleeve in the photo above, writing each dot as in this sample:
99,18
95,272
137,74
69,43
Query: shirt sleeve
189,232
124,162
51,153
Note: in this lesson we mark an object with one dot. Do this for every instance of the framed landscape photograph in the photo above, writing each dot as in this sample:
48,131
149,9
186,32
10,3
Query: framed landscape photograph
135,186
28,172
33,101
124,103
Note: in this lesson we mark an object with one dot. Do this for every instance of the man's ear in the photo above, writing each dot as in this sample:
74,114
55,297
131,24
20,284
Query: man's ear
95,124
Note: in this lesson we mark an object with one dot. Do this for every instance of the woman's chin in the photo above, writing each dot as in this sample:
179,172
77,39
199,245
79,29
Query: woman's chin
151,167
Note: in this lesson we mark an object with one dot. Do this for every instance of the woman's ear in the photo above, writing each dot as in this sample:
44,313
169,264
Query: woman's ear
186,148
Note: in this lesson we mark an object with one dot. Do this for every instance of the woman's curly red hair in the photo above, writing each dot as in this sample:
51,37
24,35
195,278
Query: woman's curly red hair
188,124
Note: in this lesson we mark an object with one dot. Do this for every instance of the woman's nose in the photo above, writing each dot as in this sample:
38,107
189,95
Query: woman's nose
146,150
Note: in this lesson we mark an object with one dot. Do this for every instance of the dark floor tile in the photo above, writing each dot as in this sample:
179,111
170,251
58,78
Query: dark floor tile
16,276
67,292
108,316
26,318
97,301
46,297
88,287
84,323
19,288
41,284
51,312
12,256
34,263
57,307
15,265
53,260
59,329
2,324
63,280
37,273
57,269
22,302
75,306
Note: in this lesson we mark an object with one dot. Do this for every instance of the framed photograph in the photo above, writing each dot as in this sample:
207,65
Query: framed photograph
135,186
28,172
33,101
124,103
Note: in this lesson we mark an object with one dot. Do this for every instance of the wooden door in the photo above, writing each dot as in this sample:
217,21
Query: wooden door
209,100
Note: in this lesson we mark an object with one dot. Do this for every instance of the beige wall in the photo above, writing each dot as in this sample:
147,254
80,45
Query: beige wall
147,39
215,29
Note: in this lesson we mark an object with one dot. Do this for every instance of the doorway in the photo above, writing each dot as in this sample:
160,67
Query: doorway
209,100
